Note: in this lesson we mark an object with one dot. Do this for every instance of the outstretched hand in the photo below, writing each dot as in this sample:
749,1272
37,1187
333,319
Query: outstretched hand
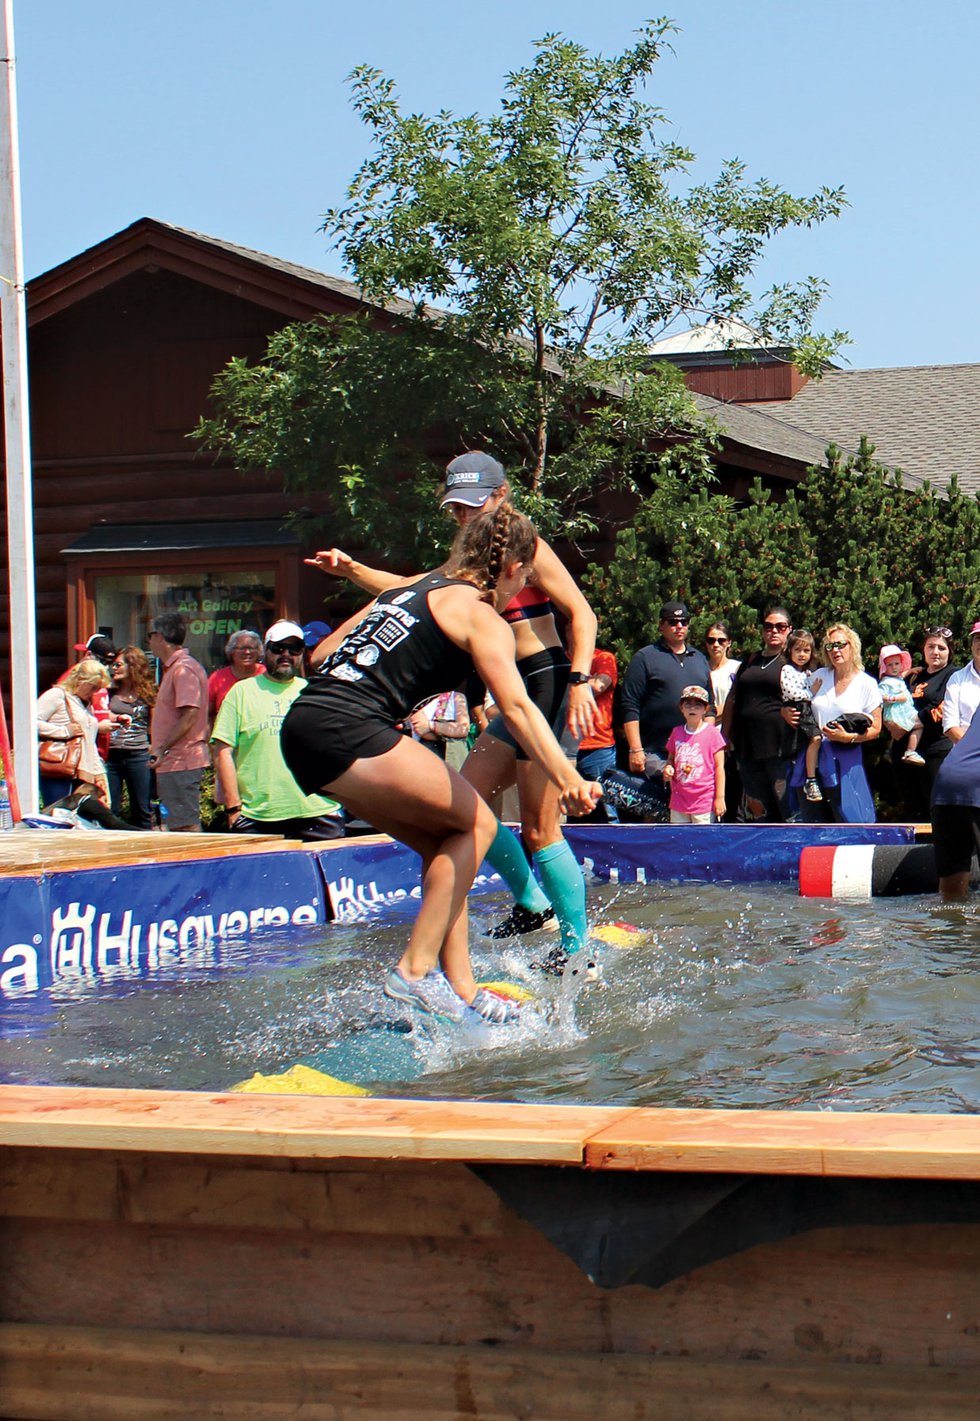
332,561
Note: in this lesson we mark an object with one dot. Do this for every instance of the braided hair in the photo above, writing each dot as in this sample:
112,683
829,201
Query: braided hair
486,543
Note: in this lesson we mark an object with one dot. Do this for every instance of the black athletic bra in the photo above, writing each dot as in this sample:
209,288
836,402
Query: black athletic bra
394,658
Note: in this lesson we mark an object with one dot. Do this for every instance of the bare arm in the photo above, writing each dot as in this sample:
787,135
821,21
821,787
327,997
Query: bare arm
227,777
339,564
332,642
459,727
719,783
553,578
183,727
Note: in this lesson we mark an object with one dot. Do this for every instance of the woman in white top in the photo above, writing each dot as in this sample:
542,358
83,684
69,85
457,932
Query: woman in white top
842,688
721,666
63,714
722,670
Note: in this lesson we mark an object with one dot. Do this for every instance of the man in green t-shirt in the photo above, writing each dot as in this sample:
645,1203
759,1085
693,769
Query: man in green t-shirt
260,795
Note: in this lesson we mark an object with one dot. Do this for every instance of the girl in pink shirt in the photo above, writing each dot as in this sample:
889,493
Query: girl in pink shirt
695,768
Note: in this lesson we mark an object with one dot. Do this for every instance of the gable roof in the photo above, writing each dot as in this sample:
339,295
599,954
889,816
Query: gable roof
297,292
758,440
922,419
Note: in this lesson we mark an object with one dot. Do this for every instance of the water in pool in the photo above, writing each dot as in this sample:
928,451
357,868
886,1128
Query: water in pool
731,996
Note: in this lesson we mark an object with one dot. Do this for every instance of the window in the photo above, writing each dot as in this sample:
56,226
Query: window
214,604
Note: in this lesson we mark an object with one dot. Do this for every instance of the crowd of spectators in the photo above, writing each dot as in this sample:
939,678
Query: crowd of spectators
776,733
809,734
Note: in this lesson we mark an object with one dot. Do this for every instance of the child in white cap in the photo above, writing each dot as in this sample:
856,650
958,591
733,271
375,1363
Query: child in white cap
897,705
695,768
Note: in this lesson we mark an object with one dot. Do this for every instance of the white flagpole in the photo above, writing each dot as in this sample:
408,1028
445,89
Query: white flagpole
22,642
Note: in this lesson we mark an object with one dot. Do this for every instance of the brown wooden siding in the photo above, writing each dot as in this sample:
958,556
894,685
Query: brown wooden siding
741,383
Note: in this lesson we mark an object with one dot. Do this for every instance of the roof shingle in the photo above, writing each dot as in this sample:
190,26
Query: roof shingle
921,419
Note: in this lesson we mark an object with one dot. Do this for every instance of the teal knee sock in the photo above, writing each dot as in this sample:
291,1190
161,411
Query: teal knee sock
506,856
565,886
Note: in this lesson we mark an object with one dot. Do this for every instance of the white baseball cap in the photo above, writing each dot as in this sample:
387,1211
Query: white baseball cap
284,631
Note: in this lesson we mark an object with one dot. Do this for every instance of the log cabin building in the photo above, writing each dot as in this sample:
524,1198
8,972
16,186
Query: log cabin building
131,518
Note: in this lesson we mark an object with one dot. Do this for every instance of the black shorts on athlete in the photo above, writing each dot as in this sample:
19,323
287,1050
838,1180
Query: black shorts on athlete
319,743
545,675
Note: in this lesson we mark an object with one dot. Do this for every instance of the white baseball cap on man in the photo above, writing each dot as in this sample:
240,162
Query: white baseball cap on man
284,631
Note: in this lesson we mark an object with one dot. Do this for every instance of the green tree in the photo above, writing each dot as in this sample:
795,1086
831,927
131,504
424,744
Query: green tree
526,260
850,543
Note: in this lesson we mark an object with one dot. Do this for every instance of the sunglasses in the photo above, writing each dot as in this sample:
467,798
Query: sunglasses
717,640
776,626
939,631
677,621
293,647
835,645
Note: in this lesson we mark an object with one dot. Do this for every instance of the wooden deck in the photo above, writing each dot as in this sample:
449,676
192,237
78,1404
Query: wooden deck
829,1144
172,1255
35,851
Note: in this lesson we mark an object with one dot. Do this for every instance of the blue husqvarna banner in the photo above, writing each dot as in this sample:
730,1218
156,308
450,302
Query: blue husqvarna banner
713,853
365,877
133,922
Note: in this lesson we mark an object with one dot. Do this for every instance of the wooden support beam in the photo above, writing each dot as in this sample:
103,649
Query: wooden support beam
97,1374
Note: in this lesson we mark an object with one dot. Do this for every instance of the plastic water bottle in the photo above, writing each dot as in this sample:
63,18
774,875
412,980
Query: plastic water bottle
6,818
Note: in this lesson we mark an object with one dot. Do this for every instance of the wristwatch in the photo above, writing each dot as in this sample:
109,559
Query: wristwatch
233,808
577,678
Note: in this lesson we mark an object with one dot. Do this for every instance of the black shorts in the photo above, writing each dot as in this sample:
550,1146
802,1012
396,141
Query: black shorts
545,674
319,743
955,837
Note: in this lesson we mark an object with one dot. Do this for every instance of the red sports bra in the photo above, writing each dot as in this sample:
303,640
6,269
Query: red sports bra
529,602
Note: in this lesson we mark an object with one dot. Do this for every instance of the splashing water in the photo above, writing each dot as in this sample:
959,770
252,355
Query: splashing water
728,996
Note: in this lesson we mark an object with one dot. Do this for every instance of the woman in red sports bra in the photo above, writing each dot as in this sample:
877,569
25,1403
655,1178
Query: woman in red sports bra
558,683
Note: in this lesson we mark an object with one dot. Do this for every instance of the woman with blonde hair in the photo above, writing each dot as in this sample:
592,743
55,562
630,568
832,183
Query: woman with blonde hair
847,709
64,714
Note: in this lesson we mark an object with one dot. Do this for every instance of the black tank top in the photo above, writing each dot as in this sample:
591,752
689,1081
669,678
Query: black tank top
394,658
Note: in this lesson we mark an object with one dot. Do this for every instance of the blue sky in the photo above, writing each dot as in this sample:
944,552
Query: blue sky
232,117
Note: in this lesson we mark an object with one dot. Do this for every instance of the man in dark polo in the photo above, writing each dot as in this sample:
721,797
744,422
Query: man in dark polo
651,691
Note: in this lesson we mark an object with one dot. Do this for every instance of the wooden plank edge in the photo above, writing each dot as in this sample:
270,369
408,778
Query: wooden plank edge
182,1122
834,1144
596,1137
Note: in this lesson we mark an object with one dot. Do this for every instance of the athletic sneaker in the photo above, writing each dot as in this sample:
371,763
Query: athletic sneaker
580,969
522,920
498,1011
431,993
569,965
912,757
553,962
812,791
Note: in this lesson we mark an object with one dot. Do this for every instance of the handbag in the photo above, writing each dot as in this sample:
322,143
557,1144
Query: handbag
59,759
852,723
